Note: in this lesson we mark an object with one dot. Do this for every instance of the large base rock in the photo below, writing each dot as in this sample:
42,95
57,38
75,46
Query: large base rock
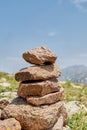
47,99
38,88
39,56
33,118
38,73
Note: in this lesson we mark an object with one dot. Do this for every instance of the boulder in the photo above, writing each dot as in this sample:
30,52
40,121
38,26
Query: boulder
39,56
4,102
73,107
38,73
38,88
47,99
10,124
31,117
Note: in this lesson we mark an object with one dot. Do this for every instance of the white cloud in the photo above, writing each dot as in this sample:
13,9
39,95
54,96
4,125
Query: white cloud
51,34
80,4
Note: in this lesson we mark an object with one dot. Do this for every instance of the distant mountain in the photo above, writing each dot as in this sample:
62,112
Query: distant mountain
75,74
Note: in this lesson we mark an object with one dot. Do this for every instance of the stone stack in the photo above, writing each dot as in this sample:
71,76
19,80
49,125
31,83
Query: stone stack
38,83
39,105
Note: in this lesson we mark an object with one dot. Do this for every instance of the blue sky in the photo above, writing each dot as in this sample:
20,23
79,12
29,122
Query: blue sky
60,25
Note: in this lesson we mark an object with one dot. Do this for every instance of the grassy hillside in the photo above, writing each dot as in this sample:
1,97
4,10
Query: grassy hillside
7,82
78,93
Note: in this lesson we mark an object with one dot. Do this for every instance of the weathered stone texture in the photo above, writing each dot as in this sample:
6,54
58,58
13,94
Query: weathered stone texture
39,56
38,88
30,117
59,124
38,73
10,124
47,99
64,113
0,113
4,102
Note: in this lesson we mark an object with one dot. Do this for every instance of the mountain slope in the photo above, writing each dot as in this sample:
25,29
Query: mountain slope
75,74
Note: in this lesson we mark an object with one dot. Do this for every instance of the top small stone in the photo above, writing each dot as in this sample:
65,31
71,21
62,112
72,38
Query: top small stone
40,55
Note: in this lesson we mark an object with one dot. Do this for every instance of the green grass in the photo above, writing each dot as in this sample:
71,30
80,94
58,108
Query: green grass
9,79
78,121
71,93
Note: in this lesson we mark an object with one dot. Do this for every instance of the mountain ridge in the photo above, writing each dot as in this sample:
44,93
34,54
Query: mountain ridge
75,74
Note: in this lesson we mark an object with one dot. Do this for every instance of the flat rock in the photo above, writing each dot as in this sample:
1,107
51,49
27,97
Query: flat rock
47,99
31,117
4,102
38,73
39,56
10,124
38,88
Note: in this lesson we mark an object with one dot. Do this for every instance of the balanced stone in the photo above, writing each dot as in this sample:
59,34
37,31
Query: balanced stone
40,56
39,104
38,73
47,99
38,88
31,117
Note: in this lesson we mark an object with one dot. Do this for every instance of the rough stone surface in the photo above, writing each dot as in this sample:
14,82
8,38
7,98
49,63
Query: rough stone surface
47,99
30,117
74,107
64,114
0,113
4,102
39,56
38,88
10,124
59,124
38,73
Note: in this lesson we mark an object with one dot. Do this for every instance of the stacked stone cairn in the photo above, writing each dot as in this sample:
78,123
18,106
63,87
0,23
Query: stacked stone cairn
39,105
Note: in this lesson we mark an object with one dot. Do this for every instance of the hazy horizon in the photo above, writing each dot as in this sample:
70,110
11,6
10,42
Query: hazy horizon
58,24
